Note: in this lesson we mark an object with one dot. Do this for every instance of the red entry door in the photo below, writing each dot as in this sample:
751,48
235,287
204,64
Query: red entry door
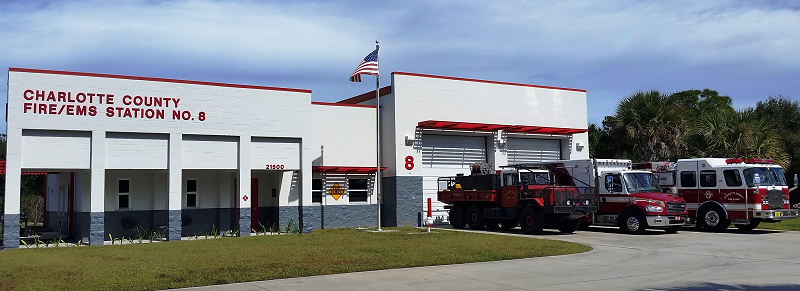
254,204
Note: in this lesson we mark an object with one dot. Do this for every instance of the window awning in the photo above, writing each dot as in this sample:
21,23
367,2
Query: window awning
345,169
3,170
437,124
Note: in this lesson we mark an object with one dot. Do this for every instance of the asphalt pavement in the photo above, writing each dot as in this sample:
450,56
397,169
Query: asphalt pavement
688,260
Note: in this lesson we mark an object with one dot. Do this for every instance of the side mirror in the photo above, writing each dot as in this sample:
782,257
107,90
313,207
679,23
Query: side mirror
795,180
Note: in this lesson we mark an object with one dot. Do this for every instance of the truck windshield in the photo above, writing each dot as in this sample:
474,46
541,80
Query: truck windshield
534,178
641,182
772,176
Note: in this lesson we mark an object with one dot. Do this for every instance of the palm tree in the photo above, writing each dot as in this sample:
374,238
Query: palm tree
649,123
738,134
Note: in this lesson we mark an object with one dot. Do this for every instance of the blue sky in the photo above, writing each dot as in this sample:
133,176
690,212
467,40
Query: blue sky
745,49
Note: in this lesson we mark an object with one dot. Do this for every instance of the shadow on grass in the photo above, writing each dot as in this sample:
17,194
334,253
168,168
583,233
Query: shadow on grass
715,287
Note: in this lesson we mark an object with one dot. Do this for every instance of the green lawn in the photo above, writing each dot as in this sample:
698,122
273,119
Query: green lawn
789,224
240,259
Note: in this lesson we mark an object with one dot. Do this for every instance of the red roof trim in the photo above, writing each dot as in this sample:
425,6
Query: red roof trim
436,124
367,96
155,79
486,81
342,104
345,169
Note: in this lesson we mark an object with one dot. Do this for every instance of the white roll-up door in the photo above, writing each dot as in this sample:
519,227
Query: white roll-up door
527,150
447,155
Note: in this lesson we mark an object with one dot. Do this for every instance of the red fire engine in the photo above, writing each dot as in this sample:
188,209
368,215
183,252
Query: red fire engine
524,195
720,192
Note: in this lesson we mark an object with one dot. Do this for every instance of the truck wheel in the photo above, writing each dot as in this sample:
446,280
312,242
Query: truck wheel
633,223
673,229
748,227
569,226
531,221
475,218
457,219
713,218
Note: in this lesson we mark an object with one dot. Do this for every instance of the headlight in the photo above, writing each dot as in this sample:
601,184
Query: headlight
569,203
587,202
653,208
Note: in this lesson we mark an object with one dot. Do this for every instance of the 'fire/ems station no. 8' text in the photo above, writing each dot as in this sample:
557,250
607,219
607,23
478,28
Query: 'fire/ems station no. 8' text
83,104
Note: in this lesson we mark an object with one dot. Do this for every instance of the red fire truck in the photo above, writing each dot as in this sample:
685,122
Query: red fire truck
629,199
720,192
524,195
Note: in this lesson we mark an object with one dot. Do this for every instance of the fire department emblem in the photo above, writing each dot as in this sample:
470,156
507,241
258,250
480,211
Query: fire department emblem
511,195
708,194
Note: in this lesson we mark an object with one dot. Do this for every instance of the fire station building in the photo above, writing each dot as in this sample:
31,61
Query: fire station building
126,153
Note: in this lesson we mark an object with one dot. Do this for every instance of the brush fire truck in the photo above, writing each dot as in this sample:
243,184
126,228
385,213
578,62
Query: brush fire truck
630,199
720,192
522,195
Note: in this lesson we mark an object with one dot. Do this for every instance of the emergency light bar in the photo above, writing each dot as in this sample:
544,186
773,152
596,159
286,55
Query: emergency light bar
760,161
735,161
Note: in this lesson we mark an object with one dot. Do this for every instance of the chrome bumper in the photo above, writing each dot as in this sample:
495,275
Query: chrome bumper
776,214
667,220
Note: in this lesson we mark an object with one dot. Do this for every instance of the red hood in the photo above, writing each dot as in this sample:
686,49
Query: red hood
658,196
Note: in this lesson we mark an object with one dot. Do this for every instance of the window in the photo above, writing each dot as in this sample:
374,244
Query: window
732,178
510,179
124,194
191,193
613,183
316,190
357,189
708,178
688,179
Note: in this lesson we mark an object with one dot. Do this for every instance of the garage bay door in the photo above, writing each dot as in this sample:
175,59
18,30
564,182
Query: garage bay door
447,155
527,150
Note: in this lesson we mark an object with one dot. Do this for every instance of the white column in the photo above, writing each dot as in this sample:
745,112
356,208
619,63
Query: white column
97,192
12,199
175,186
245,168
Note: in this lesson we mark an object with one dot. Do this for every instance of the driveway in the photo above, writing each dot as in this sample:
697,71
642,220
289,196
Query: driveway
688,260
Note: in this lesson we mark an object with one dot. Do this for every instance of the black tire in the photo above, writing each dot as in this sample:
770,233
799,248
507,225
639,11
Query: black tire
748,227
712,218
475,218
673,229
531,221
508,224
633,223
569,226
457,217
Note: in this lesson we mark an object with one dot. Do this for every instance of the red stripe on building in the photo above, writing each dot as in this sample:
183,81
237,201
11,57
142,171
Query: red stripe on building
366,96
485,81
343,104
155,79
345,169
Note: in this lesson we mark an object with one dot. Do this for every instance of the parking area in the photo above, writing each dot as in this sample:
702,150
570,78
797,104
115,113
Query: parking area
688,260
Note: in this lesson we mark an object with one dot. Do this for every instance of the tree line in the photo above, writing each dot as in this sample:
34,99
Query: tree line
652,126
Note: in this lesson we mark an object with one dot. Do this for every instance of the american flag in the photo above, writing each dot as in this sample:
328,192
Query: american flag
369,66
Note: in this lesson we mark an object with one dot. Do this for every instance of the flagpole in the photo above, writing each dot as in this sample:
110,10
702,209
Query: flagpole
378,121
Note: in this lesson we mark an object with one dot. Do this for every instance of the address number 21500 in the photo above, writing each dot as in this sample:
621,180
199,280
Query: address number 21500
274,167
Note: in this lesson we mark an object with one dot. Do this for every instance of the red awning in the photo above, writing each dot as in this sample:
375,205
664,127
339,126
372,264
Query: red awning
436,124
3,170
345,169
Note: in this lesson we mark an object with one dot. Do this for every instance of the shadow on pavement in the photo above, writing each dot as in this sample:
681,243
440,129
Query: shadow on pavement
716,287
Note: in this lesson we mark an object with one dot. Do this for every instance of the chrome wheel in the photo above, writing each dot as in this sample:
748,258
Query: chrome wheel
711,218
633,224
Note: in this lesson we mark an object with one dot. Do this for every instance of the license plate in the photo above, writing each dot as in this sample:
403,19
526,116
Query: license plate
777,214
